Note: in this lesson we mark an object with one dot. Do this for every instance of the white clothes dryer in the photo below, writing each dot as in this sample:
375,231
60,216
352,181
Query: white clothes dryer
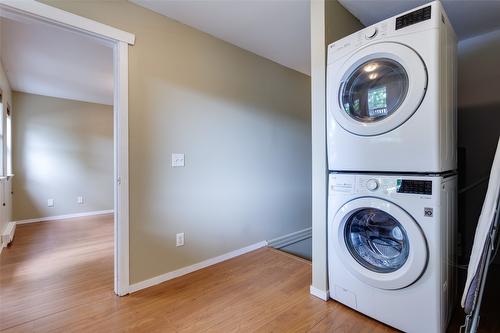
391,95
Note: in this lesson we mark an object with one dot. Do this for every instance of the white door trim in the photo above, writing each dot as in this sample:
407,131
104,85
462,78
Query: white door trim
120,40
121,169
68,20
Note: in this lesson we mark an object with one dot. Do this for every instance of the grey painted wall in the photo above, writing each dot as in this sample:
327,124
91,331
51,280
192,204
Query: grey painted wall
243,123
62,149
478,121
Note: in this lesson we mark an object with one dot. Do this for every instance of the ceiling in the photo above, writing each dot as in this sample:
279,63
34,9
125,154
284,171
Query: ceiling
47,60
468,17
44,59
277,30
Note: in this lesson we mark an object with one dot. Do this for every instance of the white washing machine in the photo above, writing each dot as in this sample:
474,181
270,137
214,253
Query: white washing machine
391,95
391,241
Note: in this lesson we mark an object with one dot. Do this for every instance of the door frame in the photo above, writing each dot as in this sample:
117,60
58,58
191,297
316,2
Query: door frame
119,40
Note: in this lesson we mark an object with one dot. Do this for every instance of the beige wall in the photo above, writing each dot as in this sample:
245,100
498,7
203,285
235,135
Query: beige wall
5,184
62,149
243,123
329,22
478,122
339,22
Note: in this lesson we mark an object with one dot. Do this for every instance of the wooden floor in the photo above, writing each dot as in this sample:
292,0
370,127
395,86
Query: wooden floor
58,277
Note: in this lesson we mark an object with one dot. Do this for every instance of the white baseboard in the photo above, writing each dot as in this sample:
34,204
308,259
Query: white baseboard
291,238
319,293
63,217
189,269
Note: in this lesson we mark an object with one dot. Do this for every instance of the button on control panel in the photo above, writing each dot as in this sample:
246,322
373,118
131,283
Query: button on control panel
413,186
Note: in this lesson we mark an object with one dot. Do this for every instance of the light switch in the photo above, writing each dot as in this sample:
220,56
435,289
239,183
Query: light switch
79,199
179,239
177,160
50,203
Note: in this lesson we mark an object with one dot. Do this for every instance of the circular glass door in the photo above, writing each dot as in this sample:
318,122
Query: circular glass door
374,90
376,240
377,89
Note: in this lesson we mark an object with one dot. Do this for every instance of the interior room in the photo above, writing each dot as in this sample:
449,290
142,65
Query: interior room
271,166
61,201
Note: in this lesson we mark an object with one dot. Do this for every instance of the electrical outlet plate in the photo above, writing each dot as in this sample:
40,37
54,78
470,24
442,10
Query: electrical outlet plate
179,239
177,160
50,203
79,199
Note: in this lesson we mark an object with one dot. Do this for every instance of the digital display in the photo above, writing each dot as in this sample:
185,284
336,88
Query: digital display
414,186
377,102
414,17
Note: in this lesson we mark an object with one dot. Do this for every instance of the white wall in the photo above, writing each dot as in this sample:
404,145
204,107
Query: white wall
62,149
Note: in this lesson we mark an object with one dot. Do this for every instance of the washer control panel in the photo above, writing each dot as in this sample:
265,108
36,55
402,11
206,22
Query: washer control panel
380,185
392,185
375,184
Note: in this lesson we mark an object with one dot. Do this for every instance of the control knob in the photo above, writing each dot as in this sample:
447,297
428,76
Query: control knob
372,184
370,32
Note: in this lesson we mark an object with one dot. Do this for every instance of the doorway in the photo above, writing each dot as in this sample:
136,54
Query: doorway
118,42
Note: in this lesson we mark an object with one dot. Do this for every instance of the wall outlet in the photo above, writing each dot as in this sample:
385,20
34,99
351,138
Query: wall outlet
50,203
177,160
79,199
179,239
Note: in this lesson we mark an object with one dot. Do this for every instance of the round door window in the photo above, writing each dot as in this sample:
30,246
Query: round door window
376,240
374,90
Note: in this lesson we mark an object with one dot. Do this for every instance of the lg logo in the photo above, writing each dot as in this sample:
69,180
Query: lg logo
428,212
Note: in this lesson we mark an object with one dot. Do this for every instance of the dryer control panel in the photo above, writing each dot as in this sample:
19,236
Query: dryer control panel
414,17
428,17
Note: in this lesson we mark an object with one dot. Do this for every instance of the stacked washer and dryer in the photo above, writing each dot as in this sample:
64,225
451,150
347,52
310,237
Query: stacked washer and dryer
392,156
